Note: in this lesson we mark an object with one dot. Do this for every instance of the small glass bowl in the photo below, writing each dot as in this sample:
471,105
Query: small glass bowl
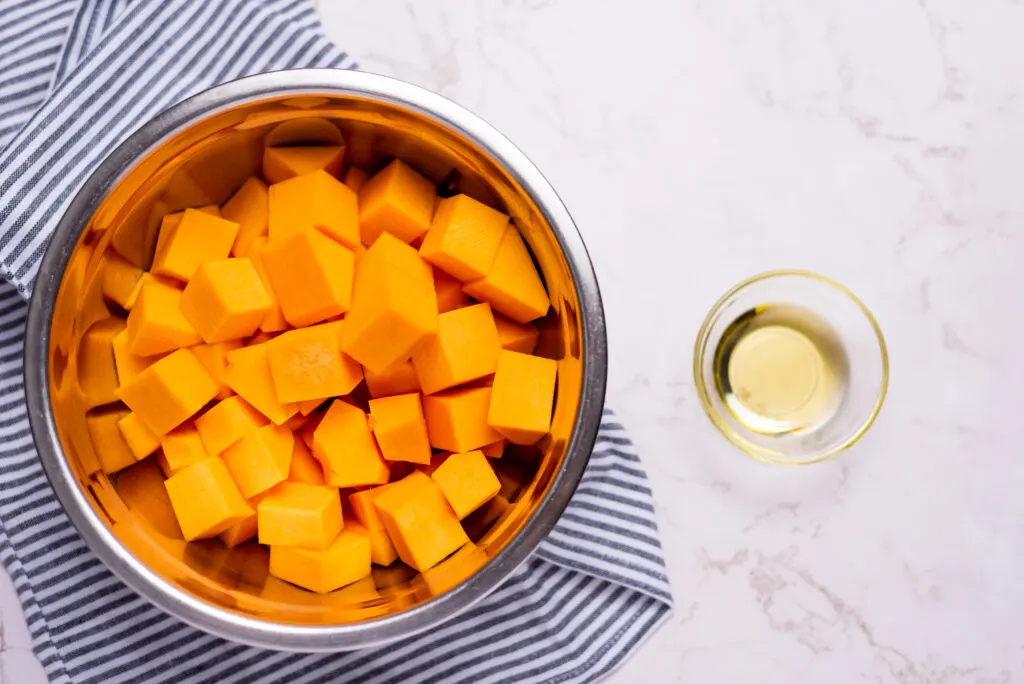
856,329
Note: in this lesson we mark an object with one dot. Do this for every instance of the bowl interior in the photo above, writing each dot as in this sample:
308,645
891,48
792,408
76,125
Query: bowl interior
205,163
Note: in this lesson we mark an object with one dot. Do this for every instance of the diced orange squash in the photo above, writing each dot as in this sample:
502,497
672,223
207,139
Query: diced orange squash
311,276
457,419
363,508
156,324
297,514
214,358
388,252
307,407
344,445
495,449
180,448
274,320
512,286
196,238
248,207
121,281
97,370
128,365
344,561
296,422
260,459
453,570
282,163
139,438
308,364
400,428
244,530
449,292
382,551
315,200
464,237
464,348
304,467
141,487
206,500
398,379
112,450
225,300
169,392
227,422
354,178
522,396
467,481
517,337
248,374
419,521
397,200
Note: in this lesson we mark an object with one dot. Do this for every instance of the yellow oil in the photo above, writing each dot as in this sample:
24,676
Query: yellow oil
781,369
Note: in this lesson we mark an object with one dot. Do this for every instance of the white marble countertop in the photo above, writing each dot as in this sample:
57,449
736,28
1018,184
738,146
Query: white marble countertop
698,142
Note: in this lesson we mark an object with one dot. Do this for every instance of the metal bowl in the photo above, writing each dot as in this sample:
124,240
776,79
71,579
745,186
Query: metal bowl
199,152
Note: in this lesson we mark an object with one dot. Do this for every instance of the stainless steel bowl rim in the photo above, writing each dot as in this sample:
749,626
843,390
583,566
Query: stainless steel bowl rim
239,627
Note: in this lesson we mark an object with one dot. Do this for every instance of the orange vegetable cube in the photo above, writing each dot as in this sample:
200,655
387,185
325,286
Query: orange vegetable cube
128,365
450,572
196,238
112,450
398,379
449,292
97,370
296,514
274,320
181,448
248,374
512,286
344,445
156,324
139,438
522,396
467,481
464,348
141,487
354,178
311,276
225,300
315,200
169,392
248,207
400,428
121,281
214,358
307,407
464,237
363,508
382,551
205,499
305,468
246,529
419,521
495,449
227,422
282,163
457,419
518,337
308,364
397,200
260,459
344,561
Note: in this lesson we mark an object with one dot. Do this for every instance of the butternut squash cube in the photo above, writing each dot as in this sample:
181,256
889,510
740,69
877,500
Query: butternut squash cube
467,481
225,300
139,438
453,570
354,178
464,348
112,450
400,428
227,422
128,365
244,530
214,358
282,163
249,208
363,508
304,515
449,292
512,286
345,560
260,459
522,396
495,449
397,200
121,281
248,374
180,448
169,392
398,379
97,369
344,445
457,419
305,468
274,320
382,551
308,364
517,337
419,521
464,237
311,276
205,499
315,200
196,238
156,324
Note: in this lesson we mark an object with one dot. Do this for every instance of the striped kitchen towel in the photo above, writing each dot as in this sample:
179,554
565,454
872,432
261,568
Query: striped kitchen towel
78,76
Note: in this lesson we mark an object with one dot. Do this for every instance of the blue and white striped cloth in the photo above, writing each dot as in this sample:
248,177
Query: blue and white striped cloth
76,77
